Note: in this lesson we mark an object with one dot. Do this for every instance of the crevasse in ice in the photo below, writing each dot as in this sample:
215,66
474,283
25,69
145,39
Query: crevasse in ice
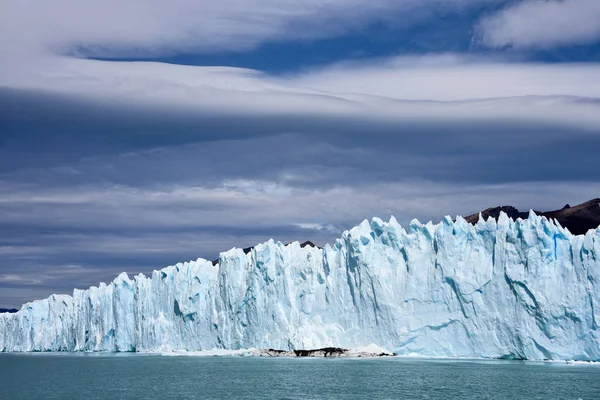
509,289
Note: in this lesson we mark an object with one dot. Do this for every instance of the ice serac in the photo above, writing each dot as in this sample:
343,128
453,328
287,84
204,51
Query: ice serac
525,289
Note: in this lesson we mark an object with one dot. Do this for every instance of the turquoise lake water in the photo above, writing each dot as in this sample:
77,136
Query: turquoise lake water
92,376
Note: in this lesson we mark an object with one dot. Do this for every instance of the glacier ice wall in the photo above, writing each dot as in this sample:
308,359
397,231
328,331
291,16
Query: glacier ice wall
511,289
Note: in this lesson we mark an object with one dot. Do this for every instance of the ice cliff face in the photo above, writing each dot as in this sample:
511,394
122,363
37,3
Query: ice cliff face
524,289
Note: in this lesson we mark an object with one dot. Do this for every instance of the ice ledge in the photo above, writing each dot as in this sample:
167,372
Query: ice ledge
369,351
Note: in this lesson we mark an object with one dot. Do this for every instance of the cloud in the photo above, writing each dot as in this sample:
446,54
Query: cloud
401,90
157,27
542,24
89,121
452,77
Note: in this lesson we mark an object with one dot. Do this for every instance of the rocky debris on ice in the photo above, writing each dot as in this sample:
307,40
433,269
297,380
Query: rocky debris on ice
370,351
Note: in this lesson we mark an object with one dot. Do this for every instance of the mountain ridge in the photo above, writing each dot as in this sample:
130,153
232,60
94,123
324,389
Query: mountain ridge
577,219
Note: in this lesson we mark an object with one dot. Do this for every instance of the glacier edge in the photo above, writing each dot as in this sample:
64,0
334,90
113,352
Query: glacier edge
524,289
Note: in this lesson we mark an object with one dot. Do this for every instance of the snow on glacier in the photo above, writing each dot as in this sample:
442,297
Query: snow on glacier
510,289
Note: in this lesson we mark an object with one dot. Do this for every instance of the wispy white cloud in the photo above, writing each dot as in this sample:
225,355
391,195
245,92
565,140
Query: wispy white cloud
111,27
451,77
543,24
396,90
317,226
14,278
243,206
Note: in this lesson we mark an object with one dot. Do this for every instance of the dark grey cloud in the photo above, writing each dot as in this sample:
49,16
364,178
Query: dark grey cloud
73,135
156,149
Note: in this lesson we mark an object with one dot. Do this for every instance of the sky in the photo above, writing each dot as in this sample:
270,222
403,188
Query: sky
138,134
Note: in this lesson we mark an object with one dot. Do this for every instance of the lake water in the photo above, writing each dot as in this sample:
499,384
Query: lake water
92,376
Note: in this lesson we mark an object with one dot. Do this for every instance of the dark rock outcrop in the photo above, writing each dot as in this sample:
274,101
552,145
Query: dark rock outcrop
324,352
577,219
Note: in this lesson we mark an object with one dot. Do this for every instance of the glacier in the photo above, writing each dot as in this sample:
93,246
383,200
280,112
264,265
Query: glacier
524,289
